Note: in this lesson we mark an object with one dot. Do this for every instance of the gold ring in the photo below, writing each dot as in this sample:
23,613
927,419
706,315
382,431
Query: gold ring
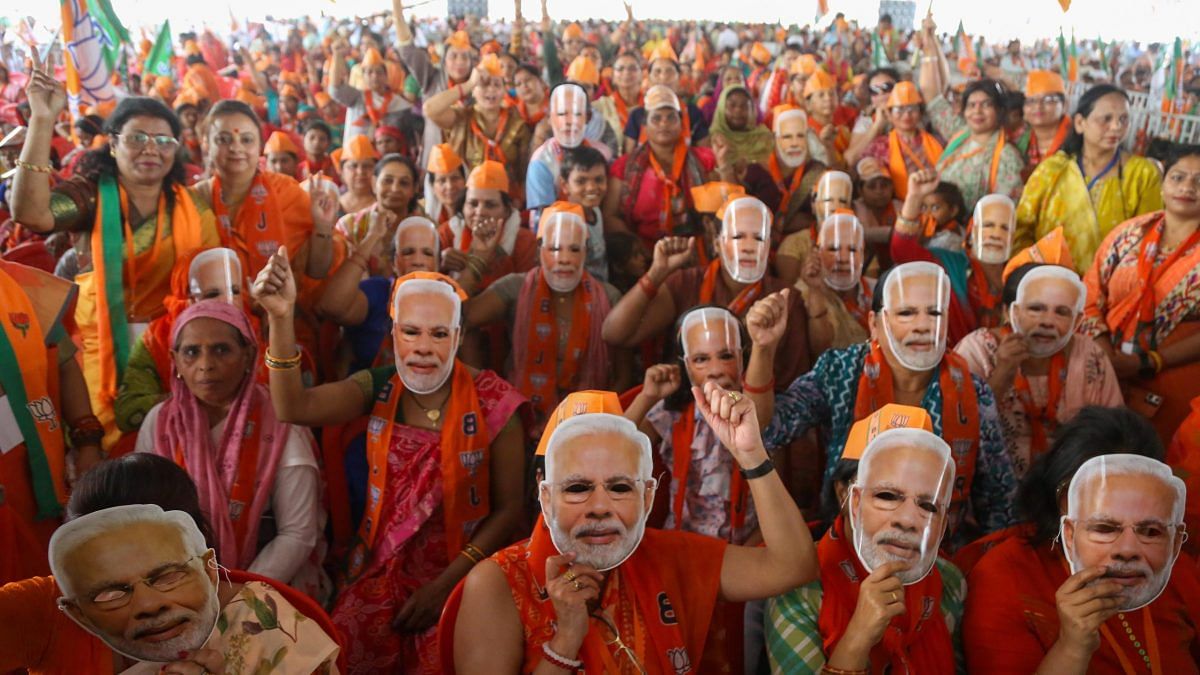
734,396
569,576
578,586
894,598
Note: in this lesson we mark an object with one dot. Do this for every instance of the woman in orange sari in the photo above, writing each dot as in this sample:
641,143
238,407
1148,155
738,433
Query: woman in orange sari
1144,299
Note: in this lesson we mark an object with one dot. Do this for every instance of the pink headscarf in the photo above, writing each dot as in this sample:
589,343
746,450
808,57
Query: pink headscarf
182,435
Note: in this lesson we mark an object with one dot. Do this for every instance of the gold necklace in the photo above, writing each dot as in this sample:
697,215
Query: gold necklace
1136,643
433,414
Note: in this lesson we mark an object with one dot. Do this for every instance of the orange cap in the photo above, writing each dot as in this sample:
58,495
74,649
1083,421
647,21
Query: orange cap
290,90
709,198
280,142
579,403
818,81
905,93
359,148
660,96
336,156
1042,82
490,64
1051,249
573,32
890,416
760,54
805,64
321,99
663,51
490,47
869,167
459,40
372,58
187,96
560,207
443,159
583,70
250,98
488,176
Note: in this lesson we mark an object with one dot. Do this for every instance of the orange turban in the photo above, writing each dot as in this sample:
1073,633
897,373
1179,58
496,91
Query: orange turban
279,142
359,148
818,81
488,176
459,40
663,51
805,64
579,403
760,54
443,159
1051,249
1043,82
890,416
905,93
709,198
583,70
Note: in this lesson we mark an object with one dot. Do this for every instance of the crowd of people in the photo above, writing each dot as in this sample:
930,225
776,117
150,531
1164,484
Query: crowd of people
388,345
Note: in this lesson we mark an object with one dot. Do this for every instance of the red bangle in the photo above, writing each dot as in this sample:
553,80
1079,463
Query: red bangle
765,389
648,287
558,660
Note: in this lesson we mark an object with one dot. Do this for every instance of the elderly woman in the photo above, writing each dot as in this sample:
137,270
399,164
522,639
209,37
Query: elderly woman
254,473
132,217
446,467
650,193
483,130
396,181
1143,308
1091,185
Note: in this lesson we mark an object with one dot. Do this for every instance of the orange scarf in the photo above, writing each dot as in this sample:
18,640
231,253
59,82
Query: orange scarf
917,641
740,303
262,224
859,304
117,269
376,113
670,184
789,188
899,152
491,146
29,377
465,459
1136,324
682,435
984,299
531,120
1047,416
623,107
1035,154
960,415
953,146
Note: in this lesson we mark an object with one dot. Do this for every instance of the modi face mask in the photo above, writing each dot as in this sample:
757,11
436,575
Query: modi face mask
215,274
568,114
425,332
992,230
712,347
745,239
564,250
1049,305
104,559
899,501
791,137
916,299
835,191
1125,514
840,244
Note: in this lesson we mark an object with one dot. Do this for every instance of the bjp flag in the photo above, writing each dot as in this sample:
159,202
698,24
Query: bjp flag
92,36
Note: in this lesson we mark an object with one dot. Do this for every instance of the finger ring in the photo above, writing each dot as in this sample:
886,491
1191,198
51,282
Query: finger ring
569,576
894,598
734,396
578,586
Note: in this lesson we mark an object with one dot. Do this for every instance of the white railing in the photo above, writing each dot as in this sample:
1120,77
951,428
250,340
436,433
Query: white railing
1145,114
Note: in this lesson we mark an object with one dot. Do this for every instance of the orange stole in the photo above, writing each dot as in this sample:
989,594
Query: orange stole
740,303
276,211
465,464
960,415
540,376
682,435
789,188
984,300
661,598
898,152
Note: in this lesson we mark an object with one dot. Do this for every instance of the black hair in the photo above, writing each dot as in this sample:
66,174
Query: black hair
582,158
619,248
1087,103
1014,100
505,198
990,88
103,161
227,107
843,472
886,70
1178,152
320,125
953,196
193,59
1094,431
678,400
1009,294
877,292
397,158
91,124
139,478
529,68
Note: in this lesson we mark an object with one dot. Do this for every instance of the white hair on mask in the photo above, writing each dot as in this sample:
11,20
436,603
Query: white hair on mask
714,320
558,98
558,221
1053,272
919,439
1124,464
590,424
792,114
225,257
417,221
419,286
829,229
910,270
996,198
83,529
746,205
830,177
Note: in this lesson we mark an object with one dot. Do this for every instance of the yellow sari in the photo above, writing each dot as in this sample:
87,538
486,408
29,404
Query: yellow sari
1056,194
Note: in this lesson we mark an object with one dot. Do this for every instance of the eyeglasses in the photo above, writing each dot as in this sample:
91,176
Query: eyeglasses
138,140
580,491
884,88
622,648
1151,533
886,499
165,580
906,110
1040,101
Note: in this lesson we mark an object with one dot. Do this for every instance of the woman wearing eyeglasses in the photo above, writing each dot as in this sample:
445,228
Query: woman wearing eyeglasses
1091,184
129,214
1046,125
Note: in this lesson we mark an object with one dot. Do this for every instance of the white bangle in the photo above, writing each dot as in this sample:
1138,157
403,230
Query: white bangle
558,659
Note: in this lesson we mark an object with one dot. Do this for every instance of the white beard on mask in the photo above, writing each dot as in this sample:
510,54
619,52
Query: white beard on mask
422,384
914,360
559,284
202,625
792,159
603,557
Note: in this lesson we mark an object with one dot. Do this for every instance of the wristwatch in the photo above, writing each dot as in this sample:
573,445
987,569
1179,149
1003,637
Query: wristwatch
759,471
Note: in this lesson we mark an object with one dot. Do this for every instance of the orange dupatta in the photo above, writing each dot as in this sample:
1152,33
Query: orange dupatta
465,460
682,435
982,293
491,147
788,189
1133,322
670,183
740,303
960,414
538,376
376,113
898,152
1047,416
275,211
957,142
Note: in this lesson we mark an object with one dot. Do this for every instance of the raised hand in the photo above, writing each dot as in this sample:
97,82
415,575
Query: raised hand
767,319
485,237
323,204
275,287
731,415
922,183
661,381
47,96
670,254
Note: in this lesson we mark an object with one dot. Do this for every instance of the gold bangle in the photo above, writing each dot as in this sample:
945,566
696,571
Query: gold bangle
475,549
36,168
466,553
274,363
